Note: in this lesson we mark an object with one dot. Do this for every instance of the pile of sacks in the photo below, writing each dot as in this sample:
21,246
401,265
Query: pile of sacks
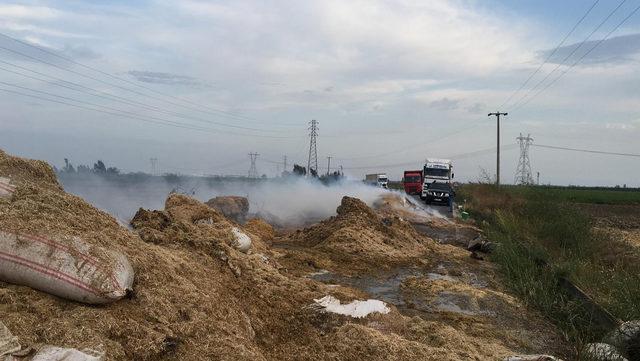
73,277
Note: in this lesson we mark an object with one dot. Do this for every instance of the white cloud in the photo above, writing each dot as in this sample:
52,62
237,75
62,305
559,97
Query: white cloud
14,11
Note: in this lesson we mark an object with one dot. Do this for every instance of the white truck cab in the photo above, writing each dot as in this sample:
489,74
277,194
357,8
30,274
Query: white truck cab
383,181
438,175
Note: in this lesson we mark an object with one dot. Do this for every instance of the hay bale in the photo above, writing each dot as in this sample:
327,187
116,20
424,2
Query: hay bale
233,207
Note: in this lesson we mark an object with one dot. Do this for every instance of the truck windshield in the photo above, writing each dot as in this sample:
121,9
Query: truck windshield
382,179
436,172
412,179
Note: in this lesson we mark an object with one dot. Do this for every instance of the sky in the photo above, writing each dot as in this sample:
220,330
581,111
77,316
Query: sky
200,84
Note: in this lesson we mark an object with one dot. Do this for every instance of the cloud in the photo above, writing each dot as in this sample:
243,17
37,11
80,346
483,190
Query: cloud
163,78
613,50
445,104
476,108
14,11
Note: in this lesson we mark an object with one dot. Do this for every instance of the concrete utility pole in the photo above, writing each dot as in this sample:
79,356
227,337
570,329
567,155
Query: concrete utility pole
498,114
329,164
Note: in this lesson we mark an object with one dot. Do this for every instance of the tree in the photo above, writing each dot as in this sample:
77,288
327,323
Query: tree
99,167
68,167
299,170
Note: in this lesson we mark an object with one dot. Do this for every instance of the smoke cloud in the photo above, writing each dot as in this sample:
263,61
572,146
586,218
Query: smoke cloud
284,201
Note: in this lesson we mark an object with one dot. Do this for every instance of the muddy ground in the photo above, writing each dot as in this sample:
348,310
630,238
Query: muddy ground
451,297
198,297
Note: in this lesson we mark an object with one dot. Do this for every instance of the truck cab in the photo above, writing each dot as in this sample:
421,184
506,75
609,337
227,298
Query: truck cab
383,181
436,186
412,181
377,179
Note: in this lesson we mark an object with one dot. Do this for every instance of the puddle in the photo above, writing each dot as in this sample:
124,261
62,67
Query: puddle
383,287
459,303
388,288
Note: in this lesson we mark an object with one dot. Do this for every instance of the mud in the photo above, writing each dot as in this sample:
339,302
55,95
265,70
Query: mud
196,297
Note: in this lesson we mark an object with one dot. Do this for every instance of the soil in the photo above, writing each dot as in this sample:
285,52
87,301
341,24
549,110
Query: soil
198,298
620,222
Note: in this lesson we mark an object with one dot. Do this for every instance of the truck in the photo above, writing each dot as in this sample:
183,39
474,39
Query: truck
377,179
412,181
437,178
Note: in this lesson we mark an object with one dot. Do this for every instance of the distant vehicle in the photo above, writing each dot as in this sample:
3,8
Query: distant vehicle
437,179
377,179
412,181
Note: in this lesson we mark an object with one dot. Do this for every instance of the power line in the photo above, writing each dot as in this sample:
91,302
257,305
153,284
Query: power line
105,95
120,113
216,111
519,103
575,26
411,147
586,150
580,59
455,157
117,86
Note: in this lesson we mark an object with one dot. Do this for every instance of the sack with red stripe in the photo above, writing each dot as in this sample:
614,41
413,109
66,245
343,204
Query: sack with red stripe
71,269
6,188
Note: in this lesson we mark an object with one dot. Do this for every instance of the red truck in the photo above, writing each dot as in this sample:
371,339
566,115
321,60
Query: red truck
412,181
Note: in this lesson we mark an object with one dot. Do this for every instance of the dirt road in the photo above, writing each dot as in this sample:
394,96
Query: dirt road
441,209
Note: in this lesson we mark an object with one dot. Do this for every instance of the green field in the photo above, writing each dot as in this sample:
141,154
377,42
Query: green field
544,237
584,194
599,196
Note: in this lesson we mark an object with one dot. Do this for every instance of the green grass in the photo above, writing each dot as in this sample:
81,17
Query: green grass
585,194
543,237
599,196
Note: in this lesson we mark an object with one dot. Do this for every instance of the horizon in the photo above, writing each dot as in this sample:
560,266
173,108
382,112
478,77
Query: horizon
198,85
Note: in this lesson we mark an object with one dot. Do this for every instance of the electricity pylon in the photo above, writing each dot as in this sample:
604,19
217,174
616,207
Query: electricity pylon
253,171
523,172
313,151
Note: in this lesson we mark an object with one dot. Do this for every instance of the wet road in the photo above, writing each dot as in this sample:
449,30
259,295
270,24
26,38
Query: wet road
442,209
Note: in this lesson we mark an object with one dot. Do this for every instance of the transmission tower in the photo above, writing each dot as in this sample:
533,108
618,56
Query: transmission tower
313,151
523,172
154,166
253,172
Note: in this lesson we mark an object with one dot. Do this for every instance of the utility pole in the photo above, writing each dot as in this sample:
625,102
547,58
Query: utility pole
285,163
253,171
523,171
498,114
538,178
154,165
329,164
313,151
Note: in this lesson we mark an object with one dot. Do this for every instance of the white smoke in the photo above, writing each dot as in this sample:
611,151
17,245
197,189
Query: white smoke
284,201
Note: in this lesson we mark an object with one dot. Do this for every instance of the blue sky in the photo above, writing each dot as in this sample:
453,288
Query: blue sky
391,82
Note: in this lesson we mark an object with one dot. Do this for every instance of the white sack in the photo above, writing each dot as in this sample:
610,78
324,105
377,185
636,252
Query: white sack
65,269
